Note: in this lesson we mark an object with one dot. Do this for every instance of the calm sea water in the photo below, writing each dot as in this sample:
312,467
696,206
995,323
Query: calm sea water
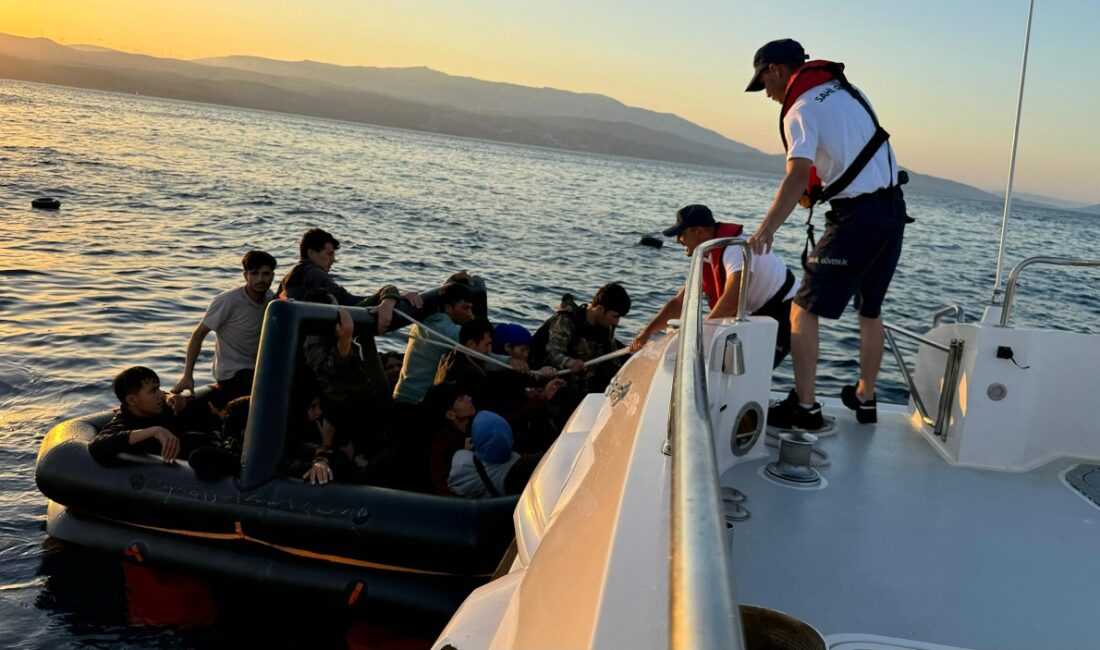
161,199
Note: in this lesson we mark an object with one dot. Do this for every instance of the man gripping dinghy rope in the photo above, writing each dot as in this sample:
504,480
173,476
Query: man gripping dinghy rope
836,153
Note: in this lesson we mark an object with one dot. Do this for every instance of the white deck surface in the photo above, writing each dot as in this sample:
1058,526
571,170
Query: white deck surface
901,544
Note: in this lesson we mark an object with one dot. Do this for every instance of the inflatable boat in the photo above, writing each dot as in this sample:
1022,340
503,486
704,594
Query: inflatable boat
416,552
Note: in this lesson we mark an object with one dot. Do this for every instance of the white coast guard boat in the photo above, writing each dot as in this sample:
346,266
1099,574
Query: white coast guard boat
967,519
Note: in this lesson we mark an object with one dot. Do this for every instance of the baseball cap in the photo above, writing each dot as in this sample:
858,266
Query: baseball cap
782,51
690,216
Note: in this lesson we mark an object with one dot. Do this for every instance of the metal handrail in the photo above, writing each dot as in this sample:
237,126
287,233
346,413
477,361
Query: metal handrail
1014,275
937,316
950,375
703,611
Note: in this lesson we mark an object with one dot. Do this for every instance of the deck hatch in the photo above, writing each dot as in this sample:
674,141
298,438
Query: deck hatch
1085,479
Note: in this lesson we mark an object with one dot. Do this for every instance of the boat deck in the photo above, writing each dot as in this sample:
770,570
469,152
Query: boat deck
902,550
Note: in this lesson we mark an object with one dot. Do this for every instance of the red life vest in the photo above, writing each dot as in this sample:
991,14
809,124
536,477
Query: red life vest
810,75
715,281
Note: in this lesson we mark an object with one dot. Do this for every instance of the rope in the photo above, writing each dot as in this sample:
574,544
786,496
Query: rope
453,344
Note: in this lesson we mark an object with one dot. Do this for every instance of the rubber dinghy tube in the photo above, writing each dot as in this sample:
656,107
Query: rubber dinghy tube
46,203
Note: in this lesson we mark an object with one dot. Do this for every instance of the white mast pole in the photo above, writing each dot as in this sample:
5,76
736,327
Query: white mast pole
996,300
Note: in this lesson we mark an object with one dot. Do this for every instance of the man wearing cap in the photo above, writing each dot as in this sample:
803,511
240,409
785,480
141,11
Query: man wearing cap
770,290
831,136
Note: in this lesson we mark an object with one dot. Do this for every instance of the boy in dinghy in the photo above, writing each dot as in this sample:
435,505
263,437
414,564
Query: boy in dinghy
150,421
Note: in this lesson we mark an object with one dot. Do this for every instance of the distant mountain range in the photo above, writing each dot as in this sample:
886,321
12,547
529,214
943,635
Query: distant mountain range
413,98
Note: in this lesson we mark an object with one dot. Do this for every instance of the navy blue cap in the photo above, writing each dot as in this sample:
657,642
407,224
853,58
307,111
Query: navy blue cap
690,216
783,51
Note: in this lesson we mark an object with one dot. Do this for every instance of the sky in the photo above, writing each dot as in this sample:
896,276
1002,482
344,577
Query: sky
941,74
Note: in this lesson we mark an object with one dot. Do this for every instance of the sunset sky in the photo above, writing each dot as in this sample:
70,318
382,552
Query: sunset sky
942,75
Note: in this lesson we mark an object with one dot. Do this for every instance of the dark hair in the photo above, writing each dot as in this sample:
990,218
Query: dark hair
235,418
386,356
314,240
131,380
474,330
441,398
450,294
253,260
612,297
319,295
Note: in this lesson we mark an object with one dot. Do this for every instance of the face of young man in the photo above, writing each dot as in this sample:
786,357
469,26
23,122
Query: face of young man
323,258
147,401
393,370
691,238
462,412
517,351
460,312
775,79
314,412
484,346
258,281
606,317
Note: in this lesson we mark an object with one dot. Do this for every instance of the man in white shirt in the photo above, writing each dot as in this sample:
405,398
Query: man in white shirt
770,291
236,316
832,135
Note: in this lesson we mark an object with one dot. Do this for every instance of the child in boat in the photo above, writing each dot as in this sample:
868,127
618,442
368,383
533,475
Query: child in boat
150,421
491,468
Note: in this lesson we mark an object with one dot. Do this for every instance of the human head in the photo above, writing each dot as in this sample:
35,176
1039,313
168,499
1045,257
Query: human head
391,363
492,437
457,301
477,334
452,403
773,65
694,225
610,303
319,247
259,271
235,418
513,340
138,389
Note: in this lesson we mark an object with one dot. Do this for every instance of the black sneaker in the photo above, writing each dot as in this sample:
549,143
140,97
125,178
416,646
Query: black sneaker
866,412
789,414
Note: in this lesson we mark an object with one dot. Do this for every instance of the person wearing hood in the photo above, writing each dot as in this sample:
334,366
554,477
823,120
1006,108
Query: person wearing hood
491,468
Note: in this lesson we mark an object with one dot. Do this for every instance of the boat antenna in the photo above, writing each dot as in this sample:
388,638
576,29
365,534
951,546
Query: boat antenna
996,300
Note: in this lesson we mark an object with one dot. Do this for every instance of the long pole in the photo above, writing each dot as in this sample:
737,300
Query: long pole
1012,161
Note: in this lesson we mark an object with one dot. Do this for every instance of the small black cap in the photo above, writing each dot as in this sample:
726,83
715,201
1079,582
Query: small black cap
782,51
690,216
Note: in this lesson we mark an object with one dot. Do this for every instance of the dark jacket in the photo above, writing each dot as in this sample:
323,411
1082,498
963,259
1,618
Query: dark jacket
194,426
306,276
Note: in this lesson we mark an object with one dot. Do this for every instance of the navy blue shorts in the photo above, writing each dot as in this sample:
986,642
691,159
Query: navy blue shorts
856,256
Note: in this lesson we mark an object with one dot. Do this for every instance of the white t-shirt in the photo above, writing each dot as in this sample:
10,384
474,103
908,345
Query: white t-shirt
827,126
236,321
768,275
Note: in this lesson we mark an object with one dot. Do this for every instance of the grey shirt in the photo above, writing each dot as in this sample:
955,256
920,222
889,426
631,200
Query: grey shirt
236,320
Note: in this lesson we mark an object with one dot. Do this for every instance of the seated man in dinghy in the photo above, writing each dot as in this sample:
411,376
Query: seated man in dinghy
150,421
511,394
354,396
236,316
771,289
318,253
580,333
423,352
491,468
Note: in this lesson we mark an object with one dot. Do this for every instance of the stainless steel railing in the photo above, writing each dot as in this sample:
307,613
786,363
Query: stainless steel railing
703,610
1014,275
950,373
